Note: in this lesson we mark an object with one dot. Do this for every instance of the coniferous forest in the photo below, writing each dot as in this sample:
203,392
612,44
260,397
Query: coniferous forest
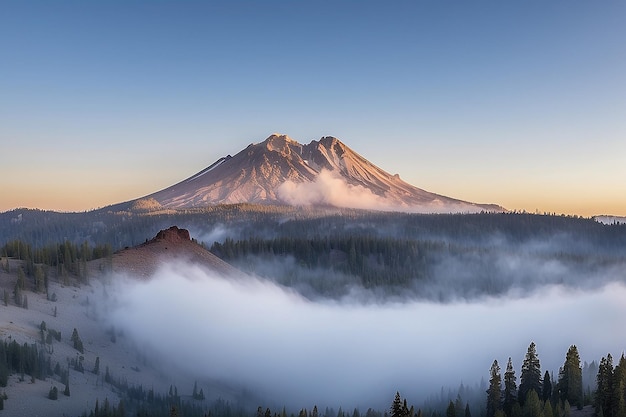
324,253
598,386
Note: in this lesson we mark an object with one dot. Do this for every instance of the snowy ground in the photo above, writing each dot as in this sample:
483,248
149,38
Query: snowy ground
76,307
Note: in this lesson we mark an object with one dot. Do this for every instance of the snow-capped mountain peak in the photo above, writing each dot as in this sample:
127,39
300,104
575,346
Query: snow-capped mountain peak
326,172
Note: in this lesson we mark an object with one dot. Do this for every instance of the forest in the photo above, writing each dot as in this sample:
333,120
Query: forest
326,253
122,225
538,394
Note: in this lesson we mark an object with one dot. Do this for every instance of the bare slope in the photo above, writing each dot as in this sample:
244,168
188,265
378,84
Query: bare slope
170,244
258,174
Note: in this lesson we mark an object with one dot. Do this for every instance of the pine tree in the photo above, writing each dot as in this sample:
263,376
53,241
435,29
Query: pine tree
547,409
39,279
546,387
17,294
78,343
451,410
532,407
53,394
530,378
605,391
570,382
66,391
106,407
21,279
121,410
494,393
619,388
396,406
510,388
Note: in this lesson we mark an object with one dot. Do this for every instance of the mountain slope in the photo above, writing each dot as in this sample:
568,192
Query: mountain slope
280,170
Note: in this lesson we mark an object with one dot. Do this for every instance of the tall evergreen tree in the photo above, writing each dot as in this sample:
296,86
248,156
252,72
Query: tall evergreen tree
604,389
458,404
510,388
532,407
451,410
619,388
570,382
494,393
96,367
530,378
397,406
547,409
546,387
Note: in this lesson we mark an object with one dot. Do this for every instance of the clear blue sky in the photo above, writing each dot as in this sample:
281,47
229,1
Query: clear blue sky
517,103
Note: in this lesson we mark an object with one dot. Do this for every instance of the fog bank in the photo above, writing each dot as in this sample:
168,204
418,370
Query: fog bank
295,352
329,188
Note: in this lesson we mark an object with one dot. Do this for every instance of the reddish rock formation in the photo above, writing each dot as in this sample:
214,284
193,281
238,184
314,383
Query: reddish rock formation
173,235
173,244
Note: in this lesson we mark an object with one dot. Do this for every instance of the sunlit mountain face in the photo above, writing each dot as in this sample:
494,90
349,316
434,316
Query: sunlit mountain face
280,170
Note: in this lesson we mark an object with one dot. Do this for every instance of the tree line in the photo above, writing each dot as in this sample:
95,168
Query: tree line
539,396
65,258
124,225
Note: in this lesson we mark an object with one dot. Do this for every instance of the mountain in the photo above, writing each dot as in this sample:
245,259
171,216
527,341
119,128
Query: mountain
280,170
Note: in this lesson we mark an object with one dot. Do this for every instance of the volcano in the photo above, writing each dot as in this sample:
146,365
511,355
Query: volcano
325,172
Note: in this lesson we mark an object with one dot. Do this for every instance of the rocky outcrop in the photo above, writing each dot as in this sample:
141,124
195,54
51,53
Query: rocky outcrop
173,235
169,245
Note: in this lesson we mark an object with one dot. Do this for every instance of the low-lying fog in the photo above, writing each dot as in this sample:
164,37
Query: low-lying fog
295,352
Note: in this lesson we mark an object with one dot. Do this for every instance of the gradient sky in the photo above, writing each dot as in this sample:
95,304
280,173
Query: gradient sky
521,103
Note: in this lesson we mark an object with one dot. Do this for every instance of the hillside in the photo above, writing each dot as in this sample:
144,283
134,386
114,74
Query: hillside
106,366
168,245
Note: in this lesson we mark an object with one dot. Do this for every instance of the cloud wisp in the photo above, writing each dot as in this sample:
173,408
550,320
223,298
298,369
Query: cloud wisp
331,189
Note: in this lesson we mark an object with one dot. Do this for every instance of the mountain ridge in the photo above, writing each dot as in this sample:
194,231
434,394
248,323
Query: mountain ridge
325,172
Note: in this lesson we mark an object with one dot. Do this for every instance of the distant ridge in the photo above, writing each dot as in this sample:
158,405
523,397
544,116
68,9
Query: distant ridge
326,172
